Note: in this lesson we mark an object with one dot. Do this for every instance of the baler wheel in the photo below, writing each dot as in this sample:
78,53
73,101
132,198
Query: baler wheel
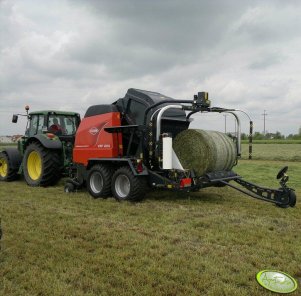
41,165
293,200
69,187
7,173
99,181
127,186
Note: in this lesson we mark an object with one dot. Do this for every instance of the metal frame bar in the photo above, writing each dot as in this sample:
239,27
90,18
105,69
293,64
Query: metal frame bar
159,117
238,133
165,102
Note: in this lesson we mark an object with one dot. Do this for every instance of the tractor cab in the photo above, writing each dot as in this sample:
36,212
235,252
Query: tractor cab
59,123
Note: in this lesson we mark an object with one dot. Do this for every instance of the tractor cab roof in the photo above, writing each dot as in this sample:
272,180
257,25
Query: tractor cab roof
54,112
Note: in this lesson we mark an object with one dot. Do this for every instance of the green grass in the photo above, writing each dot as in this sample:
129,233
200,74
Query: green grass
289,152
207,243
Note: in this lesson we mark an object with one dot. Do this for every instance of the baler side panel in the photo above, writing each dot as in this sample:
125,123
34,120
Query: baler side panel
92,141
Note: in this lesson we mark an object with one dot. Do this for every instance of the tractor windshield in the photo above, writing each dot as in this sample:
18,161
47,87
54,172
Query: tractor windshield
36,125
62,124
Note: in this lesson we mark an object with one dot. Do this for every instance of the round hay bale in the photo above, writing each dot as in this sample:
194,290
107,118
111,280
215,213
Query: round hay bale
205,151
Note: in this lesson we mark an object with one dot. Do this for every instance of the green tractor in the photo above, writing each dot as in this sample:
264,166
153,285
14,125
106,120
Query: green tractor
44,153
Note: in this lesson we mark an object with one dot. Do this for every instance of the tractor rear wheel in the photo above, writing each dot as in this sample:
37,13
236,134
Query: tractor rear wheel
7,172
127,186
99,181
41,165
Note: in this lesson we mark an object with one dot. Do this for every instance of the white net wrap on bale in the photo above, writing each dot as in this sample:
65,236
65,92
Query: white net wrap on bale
205,151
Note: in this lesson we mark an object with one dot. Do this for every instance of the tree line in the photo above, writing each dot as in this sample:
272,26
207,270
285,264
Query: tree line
270,136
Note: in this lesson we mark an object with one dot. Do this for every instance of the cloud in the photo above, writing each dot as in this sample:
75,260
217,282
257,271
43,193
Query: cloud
72,54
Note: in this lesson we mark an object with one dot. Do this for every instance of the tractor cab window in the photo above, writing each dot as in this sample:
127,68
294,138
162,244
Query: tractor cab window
62,124
70,125
54,124
32,130
36,125
40,124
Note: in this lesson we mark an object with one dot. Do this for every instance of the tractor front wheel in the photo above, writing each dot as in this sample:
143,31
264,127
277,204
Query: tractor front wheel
127,186
7,172
41,165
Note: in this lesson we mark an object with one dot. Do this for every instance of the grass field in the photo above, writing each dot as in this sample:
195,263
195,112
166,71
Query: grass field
208,243
285,152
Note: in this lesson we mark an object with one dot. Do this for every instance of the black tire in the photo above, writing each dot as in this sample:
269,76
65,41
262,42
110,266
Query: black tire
127,186
99,181
69,188
292,200
41,165
7,172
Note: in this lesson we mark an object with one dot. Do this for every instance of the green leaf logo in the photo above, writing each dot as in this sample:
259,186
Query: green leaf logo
276,281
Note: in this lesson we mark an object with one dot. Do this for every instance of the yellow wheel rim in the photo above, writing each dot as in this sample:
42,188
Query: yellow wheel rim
34,165
3,167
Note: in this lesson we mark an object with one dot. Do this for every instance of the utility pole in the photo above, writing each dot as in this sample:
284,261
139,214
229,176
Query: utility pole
264,116
225,115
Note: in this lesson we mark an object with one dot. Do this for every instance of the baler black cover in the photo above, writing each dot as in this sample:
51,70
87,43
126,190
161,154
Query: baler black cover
100,109
148,98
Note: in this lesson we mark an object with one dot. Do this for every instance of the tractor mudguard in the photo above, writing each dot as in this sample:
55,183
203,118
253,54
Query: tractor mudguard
50,143
14,157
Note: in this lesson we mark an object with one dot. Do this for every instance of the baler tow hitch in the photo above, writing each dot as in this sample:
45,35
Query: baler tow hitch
283,197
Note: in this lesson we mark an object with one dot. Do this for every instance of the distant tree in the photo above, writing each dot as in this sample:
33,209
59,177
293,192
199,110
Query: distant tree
244,136
297,137
269,136
293,137
258,136
278,136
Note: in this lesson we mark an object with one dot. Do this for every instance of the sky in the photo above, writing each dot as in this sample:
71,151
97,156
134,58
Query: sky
70,54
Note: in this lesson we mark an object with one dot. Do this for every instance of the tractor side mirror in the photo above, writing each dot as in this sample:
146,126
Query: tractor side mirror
15,118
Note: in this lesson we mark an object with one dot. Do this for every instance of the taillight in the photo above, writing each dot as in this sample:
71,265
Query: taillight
50,135
139,167
186,182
